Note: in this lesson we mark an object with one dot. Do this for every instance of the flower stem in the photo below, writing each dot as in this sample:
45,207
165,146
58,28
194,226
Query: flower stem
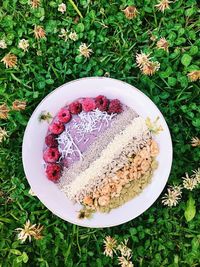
76,8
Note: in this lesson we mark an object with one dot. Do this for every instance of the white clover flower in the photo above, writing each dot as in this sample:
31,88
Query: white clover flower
29,231
64,34
84,50
196,175
3,134
125,251
123,262
145,64
73,36
109,246
172,197
4,111
130,12
163,44
151,68
3,44
189,182
62,8
162,5
39,32
34,3
142,59
195,141
9,60
23,44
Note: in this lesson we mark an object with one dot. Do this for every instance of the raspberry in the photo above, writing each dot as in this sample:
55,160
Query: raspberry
53,172
75,107
56,128
88,104
50,140
51,155
115,106
64,115
101,103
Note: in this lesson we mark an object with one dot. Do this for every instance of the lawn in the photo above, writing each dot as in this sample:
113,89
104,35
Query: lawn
43,45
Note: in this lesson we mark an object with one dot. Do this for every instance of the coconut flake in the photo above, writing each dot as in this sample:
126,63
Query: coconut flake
89,121
86,122
66,146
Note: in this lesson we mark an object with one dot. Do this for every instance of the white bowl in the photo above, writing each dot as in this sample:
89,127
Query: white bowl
33,143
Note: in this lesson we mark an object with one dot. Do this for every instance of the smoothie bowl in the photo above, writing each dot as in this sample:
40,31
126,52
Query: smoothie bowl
104,155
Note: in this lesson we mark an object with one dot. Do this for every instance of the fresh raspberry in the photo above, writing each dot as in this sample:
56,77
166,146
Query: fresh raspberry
101,103
75,107
56,128
51,155
50,140
88,104
115,106
53,172
64,115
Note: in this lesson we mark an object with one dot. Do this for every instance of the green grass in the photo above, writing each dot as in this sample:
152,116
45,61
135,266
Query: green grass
159,237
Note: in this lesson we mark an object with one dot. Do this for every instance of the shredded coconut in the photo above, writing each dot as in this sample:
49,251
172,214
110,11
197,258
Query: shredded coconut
134,130
85,123
89,121
67,146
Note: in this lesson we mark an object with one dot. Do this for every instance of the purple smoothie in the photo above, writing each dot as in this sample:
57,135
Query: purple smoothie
82,137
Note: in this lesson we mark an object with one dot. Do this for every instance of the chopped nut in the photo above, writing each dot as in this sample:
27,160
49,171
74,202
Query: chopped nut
115,178
126,173
106,189
137,160
139,174
118,178
118,188
145,165
88,200
134,175
96,194
154,148
103,200
144,153
127,185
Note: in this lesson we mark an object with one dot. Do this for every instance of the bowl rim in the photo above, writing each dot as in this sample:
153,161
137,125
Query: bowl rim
98,78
